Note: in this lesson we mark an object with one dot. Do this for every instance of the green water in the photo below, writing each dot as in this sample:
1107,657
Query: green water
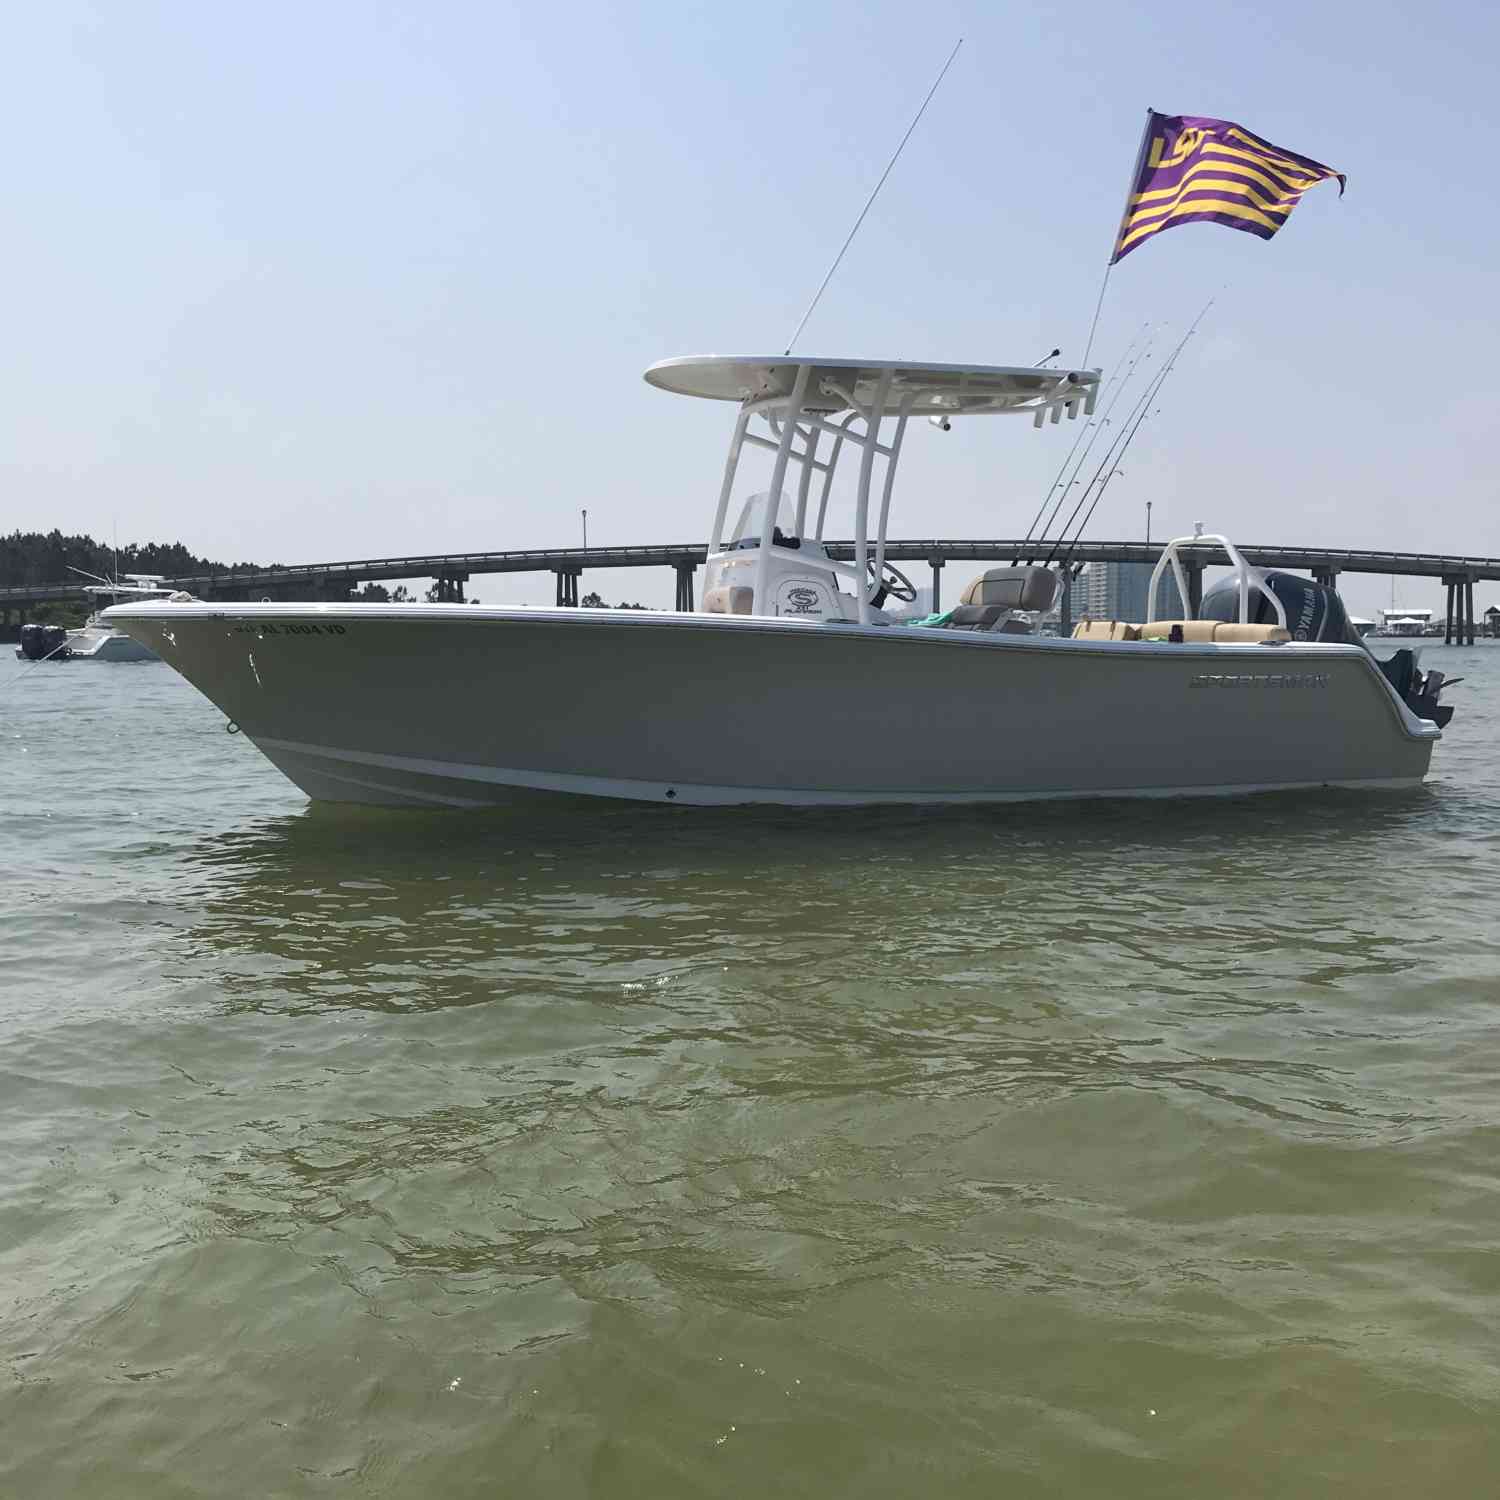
1105,1149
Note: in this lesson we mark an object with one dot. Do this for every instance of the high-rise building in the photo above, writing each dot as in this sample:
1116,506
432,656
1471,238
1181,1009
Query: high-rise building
1117,591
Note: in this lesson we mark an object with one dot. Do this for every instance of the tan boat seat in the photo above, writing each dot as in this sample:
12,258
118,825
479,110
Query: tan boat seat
1229,635
1105,630
1199,631
728,599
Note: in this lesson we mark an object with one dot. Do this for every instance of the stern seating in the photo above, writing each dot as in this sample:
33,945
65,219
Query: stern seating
1194,632
1105,630
1227,635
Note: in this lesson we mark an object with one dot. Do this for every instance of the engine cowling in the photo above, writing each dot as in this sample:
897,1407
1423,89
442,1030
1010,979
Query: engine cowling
1314,612
41,642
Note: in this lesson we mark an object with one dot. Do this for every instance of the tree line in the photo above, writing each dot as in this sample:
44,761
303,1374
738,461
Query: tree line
28,558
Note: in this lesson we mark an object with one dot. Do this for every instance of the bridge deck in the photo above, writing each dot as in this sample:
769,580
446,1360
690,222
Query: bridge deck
573,560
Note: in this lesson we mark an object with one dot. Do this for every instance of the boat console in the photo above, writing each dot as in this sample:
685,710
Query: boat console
806,414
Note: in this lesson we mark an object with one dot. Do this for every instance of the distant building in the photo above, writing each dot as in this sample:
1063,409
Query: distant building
1117,591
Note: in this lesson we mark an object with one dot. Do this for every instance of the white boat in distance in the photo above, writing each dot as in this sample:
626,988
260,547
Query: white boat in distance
96,640
790,685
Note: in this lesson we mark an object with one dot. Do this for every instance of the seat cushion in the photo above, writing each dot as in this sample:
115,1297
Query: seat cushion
1200,632
973,617
1227,635
1014,588
729,599
1105,630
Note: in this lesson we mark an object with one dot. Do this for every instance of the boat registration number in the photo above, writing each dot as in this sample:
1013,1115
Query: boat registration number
288,627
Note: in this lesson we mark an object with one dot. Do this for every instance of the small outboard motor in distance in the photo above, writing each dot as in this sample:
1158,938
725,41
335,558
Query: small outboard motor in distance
44,642
1314,612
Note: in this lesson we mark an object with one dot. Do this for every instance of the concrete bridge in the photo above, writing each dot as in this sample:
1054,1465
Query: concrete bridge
451,571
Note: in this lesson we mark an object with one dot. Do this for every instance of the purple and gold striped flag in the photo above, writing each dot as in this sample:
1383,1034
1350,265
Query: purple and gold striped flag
1195,170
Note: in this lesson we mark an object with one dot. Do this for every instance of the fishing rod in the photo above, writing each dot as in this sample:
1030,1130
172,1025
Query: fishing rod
1151,411
1113,453
1108,465
1083,458
1081,434
1108,468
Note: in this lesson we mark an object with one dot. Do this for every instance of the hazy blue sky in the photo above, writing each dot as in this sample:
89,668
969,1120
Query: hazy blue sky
298,282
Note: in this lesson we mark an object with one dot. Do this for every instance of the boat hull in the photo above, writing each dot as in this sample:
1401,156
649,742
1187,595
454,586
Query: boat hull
107,645
447,705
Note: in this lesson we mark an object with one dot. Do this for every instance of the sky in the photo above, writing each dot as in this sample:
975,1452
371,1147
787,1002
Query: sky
294,283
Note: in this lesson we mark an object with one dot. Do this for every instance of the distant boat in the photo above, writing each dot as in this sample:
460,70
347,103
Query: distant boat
94,640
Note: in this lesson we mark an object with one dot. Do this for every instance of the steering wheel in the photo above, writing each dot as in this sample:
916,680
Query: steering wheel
891,583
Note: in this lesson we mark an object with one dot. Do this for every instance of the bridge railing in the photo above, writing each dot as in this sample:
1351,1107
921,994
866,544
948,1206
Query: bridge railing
936,550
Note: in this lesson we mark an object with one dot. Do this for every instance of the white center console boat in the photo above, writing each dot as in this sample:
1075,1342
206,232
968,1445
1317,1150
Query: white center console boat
95,640
98,641
790,684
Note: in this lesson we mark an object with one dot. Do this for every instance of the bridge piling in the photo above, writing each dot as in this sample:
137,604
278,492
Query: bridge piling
448,586
685,572
937,584
1458,612
567,585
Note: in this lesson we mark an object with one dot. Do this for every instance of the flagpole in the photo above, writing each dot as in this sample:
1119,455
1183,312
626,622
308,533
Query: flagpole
1135,177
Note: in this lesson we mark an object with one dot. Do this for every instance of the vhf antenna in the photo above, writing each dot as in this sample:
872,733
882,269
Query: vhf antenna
916,120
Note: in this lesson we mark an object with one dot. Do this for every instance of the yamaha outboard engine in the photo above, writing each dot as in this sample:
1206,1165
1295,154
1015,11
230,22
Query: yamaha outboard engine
44,642
1314,612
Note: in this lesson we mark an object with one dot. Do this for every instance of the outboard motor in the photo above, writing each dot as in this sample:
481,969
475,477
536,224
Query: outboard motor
1314,612
44,642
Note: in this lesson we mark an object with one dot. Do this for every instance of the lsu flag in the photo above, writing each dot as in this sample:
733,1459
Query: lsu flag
1198,171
